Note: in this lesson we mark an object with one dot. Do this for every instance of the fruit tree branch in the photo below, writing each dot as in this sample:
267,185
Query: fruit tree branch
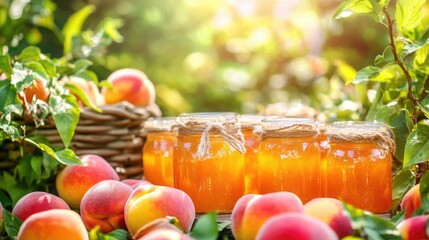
414,101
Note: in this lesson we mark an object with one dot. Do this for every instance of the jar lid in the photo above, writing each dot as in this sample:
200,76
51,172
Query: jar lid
362,131
288,127
160,124
208,117
250,121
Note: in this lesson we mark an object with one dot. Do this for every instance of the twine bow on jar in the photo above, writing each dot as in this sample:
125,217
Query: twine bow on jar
229,130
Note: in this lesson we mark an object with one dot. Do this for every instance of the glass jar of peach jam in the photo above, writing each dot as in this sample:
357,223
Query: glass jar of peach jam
359,164
158,151
250,122
289,157
209,160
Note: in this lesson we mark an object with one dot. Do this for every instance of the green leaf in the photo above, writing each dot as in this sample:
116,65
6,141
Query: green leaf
110,27
88,75
396,219
345,71
65,156
373,226
49,67
81,65
65,112
417,146
117,234
30,54
8,94
68,157
386,112
5,65
206,227
424,110
12,223
389,73
378,59
37,69
350,7
74,25
50,166
36,166
366,74
402,125
408,14
402,182
15,189
421,59
24,169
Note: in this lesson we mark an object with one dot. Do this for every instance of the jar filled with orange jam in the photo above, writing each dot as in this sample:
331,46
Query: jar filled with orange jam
250,122
289,157
158,151
359,164
209,160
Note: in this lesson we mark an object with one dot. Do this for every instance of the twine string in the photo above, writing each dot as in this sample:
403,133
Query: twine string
292,130
382,137
229,131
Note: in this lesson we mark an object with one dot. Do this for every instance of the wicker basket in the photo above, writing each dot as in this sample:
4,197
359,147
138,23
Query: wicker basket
116,134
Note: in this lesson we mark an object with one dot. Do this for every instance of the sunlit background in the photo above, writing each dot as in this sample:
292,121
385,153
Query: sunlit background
237,55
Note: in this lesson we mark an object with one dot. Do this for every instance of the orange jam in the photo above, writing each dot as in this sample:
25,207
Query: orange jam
359,165
158,151
289,157
209,160
324,148
251,141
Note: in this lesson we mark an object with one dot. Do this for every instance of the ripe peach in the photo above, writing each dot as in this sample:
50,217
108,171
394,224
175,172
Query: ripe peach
54,224
134,183
35,202
252,210
38,90
295,226
411,201
74,180
89,88
103,205
414,228
130,85
165,234
330,211
1,212
149,202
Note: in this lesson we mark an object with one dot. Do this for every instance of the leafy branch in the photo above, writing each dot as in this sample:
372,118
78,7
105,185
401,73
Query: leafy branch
413,100
401,82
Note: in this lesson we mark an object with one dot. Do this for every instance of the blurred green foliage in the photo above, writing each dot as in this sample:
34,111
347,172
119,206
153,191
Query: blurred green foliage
227,55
